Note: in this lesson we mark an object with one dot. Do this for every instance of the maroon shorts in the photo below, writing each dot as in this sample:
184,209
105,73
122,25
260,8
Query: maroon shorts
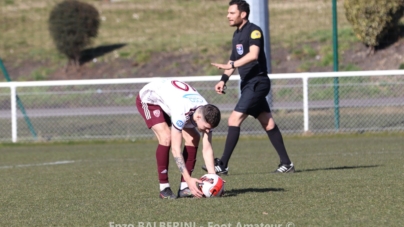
152,114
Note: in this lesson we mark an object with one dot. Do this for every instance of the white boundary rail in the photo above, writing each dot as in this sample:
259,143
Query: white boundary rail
304,76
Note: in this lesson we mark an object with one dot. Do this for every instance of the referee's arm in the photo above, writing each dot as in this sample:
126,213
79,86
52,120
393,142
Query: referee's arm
252,55
229,72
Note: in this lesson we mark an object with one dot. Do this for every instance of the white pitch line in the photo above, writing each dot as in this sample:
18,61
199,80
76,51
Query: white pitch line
38,164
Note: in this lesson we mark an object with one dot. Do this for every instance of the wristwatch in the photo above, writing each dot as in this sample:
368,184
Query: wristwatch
232,64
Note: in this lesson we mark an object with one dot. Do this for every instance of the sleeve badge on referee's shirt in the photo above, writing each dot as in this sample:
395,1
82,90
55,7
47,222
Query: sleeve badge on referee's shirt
255,34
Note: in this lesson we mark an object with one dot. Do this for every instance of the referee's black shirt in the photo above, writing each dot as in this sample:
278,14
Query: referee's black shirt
250,34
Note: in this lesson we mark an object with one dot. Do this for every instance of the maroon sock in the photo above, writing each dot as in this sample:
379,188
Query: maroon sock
189,154
162,157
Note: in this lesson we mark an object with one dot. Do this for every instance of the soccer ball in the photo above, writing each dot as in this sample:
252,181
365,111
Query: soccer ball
212,185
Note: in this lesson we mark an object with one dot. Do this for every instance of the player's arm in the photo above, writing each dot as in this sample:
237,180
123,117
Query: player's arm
176,142
207,152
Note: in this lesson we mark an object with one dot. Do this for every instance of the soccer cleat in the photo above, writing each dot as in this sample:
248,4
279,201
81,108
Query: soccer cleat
219,168
283,168
167,194
185,193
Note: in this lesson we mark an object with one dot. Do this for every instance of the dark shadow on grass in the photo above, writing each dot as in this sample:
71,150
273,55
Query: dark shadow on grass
337,168
89,54
235,192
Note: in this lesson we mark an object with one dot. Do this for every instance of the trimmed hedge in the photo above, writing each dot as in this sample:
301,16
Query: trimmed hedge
372,20
72,24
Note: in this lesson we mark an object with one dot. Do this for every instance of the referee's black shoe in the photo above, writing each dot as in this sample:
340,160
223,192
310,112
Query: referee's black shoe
284,168
219,168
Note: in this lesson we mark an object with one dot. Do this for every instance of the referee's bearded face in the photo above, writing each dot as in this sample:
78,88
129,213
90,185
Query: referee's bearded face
234,16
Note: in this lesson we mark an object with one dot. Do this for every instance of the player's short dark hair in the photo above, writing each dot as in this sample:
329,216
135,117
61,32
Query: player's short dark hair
242,6
212,115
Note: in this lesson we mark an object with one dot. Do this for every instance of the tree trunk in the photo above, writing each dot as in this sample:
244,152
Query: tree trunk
370,51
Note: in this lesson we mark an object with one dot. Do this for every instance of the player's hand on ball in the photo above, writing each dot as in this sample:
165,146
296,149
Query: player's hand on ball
212,186
193,186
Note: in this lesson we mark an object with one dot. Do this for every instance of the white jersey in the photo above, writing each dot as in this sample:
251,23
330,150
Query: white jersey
178,99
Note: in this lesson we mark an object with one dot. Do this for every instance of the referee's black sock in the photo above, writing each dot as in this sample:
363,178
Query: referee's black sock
231,141
276,139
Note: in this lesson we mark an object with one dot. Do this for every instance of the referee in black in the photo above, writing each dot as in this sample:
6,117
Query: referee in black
249,58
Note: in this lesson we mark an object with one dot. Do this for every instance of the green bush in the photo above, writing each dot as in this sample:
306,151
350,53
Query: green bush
72,25
372,20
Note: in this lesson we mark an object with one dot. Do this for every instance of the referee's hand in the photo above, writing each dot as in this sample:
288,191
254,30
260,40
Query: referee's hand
220,88
222,66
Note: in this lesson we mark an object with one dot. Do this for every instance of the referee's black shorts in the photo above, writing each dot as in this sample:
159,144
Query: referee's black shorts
253,96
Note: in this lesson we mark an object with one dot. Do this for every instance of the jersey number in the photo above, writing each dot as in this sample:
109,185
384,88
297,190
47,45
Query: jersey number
181,85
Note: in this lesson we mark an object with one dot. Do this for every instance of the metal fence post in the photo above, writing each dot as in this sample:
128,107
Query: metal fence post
13,113
20,105
335,50
305,103
259,15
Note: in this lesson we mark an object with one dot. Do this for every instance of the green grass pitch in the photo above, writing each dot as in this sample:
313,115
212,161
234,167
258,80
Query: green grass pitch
341,180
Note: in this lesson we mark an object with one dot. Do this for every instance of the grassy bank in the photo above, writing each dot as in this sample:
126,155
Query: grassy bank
148,27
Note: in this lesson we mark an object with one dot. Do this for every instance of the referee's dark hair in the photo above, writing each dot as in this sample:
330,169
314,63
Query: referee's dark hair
242,6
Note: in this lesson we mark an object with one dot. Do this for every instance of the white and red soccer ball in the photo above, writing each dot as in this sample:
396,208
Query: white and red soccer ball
212,185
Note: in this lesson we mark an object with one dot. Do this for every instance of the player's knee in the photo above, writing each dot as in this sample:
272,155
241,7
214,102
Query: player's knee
165,140
192,140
